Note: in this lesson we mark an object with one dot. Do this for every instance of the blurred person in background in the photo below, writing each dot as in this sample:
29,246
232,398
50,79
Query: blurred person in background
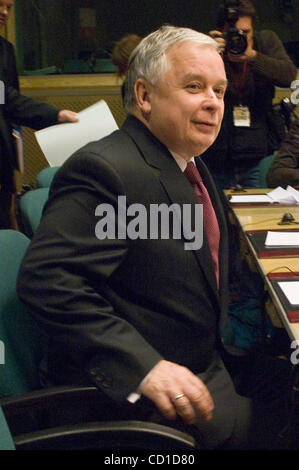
284,170
255,63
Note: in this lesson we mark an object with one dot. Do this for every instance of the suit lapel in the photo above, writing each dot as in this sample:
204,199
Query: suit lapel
174,182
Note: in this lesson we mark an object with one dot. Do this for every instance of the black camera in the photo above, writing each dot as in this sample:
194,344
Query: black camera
236,40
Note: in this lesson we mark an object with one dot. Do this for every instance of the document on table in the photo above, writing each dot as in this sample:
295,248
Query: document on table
290,290
251,198
284,196
59,142
278,195
282,239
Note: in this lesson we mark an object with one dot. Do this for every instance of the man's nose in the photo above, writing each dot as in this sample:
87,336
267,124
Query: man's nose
211,100
4,10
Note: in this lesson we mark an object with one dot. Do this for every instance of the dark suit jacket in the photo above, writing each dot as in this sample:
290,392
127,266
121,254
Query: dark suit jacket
20,110
113,308
284,170
8,66
17,109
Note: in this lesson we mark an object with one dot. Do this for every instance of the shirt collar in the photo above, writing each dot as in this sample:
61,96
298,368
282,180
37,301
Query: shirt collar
182,163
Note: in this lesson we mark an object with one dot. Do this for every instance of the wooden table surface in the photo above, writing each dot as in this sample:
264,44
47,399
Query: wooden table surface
267,217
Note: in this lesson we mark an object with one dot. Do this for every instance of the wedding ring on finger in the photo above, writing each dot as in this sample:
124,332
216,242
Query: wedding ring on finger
180,395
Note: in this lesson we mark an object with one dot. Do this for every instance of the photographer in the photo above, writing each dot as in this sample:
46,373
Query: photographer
255,63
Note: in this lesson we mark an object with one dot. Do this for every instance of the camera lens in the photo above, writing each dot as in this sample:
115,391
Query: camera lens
236,42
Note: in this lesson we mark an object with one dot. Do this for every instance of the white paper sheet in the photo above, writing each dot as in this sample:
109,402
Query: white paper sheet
282,239
283,196
290,290
251,198
278,195
294,192
60,141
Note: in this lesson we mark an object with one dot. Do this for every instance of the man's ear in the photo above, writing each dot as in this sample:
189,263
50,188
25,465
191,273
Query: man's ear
142,94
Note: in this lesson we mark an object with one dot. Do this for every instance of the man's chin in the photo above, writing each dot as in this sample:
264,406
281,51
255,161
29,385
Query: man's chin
204,145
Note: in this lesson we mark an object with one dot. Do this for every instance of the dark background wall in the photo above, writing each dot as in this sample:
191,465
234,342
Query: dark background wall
48,31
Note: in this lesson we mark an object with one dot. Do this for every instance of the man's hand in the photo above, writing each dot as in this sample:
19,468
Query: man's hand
65,115
217,35
175,390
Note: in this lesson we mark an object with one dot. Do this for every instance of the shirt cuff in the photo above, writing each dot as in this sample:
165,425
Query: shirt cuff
136,395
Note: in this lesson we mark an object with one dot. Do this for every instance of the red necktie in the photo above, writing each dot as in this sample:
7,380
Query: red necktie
210,222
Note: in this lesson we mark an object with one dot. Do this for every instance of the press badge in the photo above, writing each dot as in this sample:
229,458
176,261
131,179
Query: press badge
241,116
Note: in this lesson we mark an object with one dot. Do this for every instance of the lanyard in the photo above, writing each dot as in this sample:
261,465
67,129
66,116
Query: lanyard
239,82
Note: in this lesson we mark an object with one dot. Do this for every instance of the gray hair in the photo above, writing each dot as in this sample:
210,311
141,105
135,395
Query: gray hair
149,60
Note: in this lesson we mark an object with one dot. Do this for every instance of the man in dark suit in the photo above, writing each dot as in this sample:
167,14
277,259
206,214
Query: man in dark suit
21,110
8,64
134,313
16,109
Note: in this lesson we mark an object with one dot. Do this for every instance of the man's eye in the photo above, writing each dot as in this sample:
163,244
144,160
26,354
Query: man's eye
220,91
193,86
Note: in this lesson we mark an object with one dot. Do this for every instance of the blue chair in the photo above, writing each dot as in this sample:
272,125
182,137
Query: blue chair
77,66
104,66
45,176
6,440
24,419
18,333
52,70
31,208
264,166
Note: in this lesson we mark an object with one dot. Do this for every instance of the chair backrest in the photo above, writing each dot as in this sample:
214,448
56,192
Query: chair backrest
6,441
21,339
31,209
45,176
264,166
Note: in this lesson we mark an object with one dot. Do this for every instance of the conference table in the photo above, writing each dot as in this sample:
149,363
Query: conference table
252,218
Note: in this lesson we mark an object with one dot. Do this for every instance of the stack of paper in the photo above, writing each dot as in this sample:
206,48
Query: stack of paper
284,196
278,195
61,141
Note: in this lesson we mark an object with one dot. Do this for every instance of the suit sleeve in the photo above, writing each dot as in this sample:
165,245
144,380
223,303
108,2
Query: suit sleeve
25,111
67,275
12,68
273,62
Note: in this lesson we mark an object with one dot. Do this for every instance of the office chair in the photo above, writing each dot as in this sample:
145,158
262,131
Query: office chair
120,435
52,70
6,440
45,176
27,423
264,166
31,205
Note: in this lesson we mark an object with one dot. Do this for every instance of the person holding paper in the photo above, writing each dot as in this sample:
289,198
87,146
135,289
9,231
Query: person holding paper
8,65
16,109
26,112
9,77
134,313
284,170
